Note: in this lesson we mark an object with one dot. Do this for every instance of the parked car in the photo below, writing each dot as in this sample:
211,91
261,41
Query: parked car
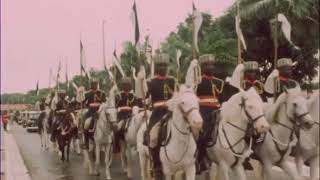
32,122
24,118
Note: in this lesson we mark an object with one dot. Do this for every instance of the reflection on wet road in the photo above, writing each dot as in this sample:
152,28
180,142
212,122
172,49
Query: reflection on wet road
46,165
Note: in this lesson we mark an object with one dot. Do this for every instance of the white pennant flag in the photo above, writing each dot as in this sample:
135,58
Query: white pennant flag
178,55
119,68
239,32
285,27
134,73
110,75
74,85
118,64
197,20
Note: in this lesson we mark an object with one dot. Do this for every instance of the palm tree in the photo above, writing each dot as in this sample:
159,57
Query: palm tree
299,9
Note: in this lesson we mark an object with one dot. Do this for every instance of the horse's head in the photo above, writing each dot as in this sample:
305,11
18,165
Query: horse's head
80,96
187,103
252,107
107,113
297,108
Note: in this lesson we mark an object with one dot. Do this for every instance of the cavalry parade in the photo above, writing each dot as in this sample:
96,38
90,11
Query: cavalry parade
169,113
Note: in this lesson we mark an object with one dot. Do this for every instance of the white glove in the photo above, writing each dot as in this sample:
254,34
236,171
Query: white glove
141,74
236,76
190,77
274,73
194,63
269,85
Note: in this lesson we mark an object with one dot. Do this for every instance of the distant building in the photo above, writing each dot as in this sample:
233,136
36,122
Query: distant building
14,107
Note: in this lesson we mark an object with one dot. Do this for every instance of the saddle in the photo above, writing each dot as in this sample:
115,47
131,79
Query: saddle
159,134
209,138
90,123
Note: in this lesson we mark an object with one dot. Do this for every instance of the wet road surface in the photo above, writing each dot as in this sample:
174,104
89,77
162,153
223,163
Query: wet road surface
46,165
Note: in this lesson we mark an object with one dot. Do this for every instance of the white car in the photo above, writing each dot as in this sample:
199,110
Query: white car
32,122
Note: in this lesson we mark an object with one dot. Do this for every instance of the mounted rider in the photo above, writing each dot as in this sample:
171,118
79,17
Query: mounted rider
60,113
42,107
210,92
93,98
280,78
124,102
250,72
160,89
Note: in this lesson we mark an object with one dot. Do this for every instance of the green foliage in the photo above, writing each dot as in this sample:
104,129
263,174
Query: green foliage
218,36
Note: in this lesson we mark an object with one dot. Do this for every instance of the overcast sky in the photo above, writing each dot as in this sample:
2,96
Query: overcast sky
36,34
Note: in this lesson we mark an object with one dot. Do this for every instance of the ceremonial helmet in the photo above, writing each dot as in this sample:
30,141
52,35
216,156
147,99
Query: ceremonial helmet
43,99
94,83
161,58
251,66
207,58
61,93
126,82
284,63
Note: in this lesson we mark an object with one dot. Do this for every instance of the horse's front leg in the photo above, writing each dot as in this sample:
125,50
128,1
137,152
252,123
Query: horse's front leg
267,169
68,150
123,155
299,163
223,171
144,166
190,172
291,172
108,160
314,168
168,177
128,155
97,163
46,139
241,175
41,138
78,145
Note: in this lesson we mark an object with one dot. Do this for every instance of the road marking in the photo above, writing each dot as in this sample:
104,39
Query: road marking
15,167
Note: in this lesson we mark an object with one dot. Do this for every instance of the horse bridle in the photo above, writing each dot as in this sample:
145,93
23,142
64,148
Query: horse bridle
251,122
293,130
250,118
185,115
293,120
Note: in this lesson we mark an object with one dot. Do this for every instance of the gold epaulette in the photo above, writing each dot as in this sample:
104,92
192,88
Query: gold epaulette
219,89
260,87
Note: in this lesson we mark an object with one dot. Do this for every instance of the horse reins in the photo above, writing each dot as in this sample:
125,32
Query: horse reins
185,114
251,121
294,130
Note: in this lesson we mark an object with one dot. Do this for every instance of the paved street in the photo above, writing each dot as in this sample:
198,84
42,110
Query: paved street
46,165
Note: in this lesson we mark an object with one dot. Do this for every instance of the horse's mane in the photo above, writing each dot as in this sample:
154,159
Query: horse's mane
313,98
275,108
232,105
313,105
176,96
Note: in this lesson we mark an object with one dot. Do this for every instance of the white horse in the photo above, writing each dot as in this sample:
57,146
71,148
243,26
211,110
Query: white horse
243,112
103,136
78,120
130,138
287,115
308,144
143,151
44,130
178,154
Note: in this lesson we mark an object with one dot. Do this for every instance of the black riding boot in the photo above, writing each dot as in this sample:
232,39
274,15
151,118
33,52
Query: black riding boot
157,169
201,163
247,165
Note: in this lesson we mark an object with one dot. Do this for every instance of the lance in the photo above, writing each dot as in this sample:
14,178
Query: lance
239,42
193,43
275,41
